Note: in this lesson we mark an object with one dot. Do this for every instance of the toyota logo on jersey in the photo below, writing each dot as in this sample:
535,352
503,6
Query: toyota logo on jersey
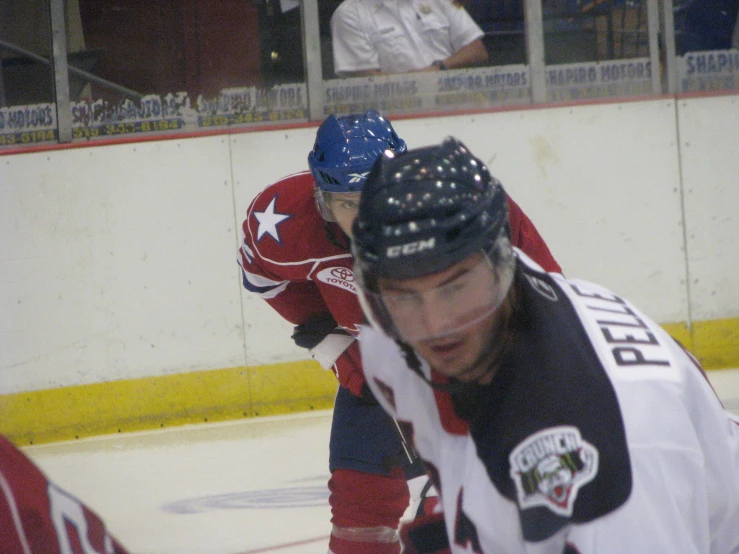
343,273
341,277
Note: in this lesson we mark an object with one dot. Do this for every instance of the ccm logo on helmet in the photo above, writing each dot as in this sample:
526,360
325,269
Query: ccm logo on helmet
411,248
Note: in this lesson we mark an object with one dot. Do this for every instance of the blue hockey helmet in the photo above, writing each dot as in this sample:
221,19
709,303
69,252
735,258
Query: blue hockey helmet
346,147
424,211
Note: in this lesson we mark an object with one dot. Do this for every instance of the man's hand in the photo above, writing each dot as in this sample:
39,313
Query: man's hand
335,349
314,330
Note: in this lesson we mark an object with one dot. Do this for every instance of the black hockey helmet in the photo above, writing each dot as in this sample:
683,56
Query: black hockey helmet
424,211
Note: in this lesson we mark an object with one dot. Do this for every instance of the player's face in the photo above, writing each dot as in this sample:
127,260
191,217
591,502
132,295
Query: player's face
453,317
344,206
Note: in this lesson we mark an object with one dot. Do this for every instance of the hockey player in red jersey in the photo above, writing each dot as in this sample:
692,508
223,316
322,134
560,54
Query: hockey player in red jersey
296,256
37,517
554,417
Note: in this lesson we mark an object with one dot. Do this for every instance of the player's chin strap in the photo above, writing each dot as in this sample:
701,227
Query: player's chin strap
341,240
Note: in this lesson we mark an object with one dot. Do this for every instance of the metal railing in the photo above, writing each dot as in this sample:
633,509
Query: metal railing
626,32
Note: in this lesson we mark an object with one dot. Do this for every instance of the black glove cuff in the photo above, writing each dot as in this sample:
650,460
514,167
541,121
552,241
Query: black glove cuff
314,330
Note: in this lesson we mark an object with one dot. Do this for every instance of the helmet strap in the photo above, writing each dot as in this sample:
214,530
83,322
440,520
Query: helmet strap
339,240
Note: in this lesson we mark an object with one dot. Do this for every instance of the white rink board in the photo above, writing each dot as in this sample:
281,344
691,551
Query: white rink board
710,156
120,261
600,182
117,262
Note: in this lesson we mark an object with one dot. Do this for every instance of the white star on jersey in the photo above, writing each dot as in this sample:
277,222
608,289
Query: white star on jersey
269,220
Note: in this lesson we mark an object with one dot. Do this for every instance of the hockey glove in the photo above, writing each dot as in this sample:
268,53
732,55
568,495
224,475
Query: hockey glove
312,332
425,535
325,341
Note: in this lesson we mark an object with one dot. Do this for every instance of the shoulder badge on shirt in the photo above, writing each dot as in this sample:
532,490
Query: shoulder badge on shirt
550,466
542,287
269,220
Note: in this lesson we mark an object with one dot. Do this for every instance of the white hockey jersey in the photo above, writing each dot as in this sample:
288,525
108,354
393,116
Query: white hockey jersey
599,435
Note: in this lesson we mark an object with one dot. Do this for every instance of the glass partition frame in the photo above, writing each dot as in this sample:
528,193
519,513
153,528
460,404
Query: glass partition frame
120,110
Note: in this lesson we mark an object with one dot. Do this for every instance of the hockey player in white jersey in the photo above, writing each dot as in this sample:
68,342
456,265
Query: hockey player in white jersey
553,416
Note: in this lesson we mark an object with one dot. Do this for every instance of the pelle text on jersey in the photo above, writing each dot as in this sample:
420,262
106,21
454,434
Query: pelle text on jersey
631,341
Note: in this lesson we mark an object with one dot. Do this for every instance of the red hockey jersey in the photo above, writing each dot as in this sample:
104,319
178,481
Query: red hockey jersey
288,260
37,517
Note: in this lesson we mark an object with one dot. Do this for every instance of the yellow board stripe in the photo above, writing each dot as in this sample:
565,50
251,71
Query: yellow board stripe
715,343
222,394
137,404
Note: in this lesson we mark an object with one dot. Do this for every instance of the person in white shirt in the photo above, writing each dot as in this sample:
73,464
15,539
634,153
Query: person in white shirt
372,37
552,415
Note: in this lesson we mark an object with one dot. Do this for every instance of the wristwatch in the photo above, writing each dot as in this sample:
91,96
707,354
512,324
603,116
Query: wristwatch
440,64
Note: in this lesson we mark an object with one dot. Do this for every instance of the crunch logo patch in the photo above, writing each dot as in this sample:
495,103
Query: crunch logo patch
550,466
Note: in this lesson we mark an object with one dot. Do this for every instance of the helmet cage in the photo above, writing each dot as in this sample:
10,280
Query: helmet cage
498,261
